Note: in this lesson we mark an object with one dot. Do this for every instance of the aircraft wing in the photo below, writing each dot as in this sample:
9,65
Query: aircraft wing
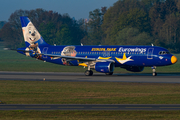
82,59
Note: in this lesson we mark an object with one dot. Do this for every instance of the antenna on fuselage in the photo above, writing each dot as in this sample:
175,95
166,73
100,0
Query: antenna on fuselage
152,44
81,44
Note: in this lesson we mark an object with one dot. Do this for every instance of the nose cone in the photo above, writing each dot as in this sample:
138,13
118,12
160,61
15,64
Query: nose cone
173,59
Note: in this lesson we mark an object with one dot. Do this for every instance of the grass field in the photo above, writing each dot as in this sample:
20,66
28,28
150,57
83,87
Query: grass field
90,115
45,92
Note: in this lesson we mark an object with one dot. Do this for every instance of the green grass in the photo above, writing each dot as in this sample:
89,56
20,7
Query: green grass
45,92
89,115
13,61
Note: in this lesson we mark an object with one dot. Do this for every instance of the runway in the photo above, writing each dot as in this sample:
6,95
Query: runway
97,77
91,107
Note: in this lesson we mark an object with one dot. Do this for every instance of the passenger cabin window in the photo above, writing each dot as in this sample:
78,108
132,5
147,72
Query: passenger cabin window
163,52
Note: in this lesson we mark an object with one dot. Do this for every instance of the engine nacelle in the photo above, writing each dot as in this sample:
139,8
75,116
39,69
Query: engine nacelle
134,68
104,67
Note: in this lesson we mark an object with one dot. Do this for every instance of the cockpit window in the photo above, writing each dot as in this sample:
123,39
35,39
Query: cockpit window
163,52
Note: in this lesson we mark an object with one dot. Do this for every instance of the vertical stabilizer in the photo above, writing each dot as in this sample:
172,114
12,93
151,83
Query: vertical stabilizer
30,33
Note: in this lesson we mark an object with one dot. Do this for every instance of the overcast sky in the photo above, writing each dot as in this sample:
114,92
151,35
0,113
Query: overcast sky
75,8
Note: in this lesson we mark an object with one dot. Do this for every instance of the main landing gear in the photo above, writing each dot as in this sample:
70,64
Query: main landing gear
88,72
110,73
154,71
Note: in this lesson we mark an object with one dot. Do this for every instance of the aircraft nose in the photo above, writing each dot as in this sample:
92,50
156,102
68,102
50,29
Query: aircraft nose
173,59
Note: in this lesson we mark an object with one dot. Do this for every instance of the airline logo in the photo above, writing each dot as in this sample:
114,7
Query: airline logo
103,49
131,50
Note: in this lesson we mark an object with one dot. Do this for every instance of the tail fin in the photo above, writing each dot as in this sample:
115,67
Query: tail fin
31,35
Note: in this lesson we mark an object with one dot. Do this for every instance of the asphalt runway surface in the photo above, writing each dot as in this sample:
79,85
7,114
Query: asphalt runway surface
97,77
90,107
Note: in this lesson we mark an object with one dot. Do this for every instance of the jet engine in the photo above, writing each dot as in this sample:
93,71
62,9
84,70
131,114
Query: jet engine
104,67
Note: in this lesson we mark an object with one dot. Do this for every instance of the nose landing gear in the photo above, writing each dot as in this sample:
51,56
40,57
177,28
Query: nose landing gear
154,71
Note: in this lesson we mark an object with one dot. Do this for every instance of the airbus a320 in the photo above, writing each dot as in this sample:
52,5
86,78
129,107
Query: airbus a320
100,58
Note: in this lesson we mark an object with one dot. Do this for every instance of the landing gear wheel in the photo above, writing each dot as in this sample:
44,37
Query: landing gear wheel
110,73
154,71
154,74
88,72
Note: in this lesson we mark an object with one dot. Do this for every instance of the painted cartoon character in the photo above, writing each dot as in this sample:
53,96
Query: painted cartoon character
31,36
68,51
34,47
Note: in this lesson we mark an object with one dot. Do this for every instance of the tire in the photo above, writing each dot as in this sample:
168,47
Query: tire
154,74
88,72
110,73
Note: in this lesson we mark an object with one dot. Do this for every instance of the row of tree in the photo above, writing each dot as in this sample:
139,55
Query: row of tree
127,22
54,28
137,22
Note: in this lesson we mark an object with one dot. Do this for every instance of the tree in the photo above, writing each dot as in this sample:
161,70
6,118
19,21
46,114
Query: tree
136,18
165,25
125,13
132,36
63,36
94,31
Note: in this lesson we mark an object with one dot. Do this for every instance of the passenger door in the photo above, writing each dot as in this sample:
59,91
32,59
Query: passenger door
150,53
45,49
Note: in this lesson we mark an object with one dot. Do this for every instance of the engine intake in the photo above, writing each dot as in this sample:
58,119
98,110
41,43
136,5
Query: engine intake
104,67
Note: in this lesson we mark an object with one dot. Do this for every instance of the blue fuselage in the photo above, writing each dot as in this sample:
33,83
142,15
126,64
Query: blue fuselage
146,56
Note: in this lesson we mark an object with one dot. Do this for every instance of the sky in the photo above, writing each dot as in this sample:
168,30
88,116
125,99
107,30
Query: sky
75,8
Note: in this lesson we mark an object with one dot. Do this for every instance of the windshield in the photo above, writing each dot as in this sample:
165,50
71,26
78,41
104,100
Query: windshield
163,52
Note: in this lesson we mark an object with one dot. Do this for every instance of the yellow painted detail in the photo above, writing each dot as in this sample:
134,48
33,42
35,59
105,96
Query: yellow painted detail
173,59
124,59
103,49
104,58
82,64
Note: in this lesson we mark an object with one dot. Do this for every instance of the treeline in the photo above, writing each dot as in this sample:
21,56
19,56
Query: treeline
127,22
54,28
137,22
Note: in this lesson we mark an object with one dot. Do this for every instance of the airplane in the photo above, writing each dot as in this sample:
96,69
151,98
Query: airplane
100,58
